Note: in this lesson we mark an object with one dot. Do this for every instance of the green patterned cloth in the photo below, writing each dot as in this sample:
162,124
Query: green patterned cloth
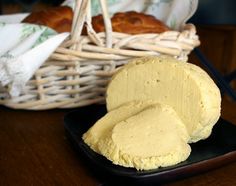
23,49
15,37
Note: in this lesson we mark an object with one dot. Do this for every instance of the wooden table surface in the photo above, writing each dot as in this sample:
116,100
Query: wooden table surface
35,151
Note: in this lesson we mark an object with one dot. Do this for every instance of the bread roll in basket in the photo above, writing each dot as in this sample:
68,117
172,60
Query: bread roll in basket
78,72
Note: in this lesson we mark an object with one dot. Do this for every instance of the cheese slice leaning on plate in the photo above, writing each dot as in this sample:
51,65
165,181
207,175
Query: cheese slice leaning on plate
185,87
152,138
104,125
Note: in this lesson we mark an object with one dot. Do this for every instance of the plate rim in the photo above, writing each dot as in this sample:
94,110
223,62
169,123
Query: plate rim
173,173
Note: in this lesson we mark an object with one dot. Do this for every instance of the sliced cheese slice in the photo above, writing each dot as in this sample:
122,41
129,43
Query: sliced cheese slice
184,86
149,139
103,126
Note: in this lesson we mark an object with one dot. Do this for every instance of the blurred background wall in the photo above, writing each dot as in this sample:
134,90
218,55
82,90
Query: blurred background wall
15,6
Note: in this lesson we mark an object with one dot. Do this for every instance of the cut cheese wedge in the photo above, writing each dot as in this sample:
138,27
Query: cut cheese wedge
103,126
184,86
147,140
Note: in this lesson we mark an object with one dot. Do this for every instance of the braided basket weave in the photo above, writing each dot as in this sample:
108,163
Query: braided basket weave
78,72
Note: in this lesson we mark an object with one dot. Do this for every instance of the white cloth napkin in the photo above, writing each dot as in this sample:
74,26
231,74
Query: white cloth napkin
13,18
23,49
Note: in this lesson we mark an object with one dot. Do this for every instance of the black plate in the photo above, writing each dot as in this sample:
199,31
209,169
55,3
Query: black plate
218,149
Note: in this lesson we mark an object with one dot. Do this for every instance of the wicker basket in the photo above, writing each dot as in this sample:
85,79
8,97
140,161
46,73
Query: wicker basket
77,73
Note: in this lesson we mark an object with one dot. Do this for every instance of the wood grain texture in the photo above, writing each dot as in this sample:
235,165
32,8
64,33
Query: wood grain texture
34,150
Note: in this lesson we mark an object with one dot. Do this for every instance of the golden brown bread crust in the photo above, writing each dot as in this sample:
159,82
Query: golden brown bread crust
57,18
131,23
60,19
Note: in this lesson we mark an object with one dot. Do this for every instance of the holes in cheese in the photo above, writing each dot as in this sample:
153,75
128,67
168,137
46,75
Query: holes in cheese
155,137
183,86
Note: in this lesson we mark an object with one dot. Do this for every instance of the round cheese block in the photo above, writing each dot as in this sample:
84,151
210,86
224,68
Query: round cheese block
184,86
147,140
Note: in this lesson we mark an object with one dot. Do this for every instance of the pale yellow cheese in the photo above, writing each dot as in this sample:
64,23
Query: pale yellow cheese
184,86
103,126
149,139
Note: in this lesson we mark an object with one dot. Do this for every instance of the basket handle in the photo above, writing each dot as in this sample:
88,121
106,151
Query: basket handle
82,16
78,20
